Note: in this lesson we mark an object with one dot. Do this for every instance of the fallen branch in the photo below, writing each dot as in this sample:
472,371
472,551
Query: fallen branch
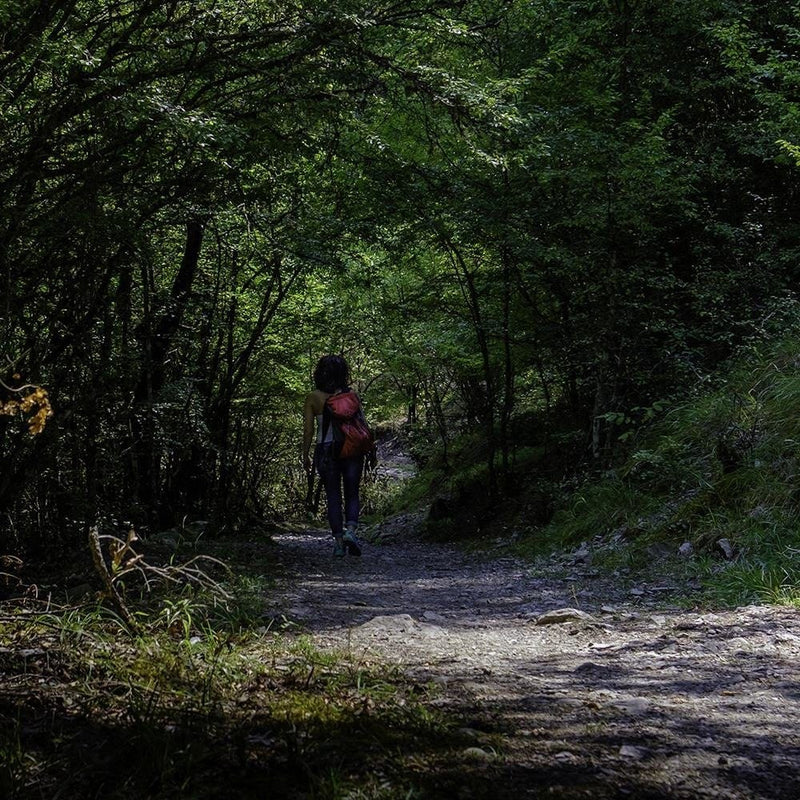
188,572
108,582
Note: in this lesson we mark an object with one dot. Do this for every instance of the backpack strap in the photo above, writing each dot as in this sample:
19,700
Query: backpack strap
327,419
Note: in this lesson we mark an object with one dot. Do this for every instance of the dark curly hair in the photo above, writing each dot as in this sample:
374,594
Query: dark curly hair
331,374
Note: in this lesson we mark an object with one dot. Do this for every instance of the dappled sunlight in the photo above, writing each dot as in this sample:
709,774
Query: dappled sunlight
630,692
452,586
543,257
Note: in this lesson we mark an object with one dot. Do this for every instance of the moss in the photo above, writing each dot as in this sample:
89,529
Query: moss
163,717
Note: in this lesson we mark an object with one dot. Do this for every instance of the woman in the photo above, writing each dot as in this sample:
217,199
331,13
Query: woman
332,376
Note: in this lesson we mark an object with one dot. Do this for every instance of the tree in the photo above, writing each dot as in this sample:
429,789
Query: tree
131,134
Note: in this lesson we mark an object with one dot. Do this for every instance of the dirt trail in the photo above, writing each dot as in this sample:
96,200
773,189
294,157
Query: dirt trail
636,699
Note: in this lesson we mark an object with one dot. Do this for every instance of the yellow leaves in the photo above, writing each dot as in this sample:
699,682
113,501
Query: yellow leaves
35,403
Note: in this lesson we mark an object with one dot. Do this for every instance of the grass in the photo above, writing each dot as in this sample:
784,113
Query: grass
209,700
721,467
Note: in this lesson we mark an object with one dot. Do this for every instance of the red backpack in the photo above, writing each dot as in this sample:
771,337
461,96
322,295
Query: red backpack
351,434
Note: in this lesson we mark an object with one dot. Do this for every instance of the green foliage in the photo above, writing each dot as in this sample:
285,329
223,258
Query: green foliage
719,468
572,210
594,510
203,717
182,176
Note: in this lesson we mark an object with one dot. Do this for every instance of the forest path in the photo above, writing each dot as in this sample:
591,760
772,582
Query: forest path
638,699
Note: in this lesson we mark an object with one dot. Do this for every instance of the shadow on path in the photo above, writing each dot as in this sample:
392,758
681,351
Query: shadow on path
642,700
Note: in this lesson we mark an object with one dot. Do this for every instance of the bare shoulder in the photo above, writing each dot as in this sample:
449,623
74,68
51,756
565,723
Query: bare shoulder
315,401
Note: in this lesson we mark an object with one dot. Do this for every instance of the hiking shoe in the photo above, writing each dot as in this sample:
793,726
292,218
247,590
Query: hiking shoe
338,549
351,543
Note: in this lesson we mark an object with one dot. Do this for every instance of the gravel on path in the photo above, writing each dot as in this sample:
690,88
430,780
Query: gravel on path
575,686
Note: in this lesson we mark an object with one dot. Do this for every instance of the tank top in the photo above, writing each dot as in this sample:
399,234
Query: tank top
328,433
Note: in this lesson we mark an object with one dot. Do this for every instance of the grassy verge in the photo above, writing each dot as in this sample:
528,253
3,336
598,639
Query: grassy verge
85,710
714,480
210,699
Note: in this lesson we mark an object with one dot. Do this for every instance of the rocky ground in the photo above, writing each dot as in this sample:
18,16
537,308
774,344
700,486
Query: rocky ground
570,684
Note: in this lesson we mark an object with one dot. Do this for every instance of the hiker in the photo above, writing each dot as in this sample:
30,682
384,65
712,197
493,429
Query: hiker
342,442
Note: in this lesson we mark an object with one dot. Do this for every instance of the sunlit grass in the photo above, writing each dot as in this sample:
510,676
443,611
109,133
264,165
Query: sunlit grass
195,707
722,467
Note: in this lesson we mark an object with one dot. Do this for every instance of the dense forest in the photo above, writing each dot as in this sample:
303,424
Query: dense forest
529,225
557,242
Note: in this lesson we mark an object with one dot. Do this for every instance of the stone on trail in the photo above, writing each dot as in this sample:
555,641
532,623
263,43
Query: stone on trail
399,624
566,756
633,706
563,615
632,752
300,612
726,548
477,754
686,549
471,733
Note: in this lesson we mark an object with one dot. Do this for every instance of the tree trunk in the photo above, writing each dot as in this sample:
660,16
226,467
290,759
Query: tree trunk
157,339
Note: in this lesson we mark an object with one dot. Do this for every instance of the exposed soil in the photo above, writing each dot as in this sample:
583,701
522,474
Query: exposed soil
636,698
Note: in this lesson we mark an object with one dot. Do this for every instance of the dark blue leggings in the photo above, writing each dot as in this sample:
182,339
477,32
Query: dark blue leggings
336,473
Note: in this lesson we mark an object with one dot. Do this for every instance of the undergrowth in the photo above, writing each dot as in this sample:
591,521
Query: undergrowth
179,711
709,492
208,698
